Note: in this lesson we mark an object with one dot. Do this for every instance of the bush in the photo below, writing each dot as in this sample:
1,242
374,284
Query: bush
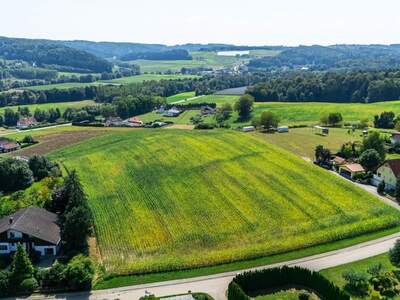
28,285
381,187
253,282
79,273
53,278
356,282
4,283
394,254
204,126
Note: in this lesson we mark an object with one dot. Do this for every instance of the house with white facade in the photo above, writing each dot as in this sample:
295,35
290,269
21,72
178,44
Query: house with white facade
35,228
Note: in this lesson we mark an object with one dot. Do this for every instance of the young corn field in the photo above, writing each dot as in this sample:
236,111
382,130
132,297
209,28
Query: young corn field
174,199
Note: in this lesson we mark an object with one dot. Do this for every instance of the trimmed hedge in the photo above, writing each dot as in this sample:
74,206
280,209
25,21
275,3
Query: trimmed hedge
252,282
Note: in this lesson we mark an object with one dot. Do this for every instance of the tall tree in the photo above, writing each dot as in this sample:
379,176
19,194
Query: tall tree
374,141
244,106
21,267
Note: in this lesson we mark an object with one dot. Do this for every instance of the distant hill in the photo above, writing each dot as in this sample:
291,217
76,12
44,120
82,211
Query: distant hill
45,53
355,57
175,54
123,50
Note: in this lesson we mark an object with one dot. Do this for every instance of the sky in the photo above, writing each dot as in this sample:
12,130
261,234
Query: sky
246,22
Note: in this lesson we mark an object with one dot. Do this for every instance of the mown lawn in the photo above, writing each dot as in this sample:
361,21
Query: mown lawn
46,106
168,200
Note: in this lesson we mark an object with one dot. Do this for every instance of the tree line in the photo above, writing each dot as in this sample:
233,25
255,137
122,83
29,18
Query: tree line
330,87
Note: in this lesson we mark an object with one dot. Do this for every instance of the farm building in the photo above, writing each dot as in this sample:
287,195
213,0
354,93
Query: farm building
135,122
350,170
173,112
35,228
25,123
389,172
248,128
114,122
283,129
337,161
8,146
321,130
207,110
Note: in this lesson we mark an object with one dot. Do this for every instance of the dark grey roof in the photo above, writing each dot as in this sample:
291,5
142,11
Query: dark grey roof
33,221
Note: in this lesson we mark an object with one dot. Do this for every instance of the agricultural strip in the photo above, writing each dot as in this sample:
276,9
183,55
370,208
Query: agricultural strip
176,199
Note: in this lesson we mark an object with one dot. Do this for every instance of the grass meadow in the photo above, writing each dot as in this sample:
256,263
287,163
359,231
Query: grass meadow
123,80
176,199
180,97
62,106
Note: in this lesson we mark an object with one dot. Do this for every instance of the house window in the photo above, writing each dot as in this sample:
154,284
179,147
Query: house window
12,235
3,248
379,174
49,251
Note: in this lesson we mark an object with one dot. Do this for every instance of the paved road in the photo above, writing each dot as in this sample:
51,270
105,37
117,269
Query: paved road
216,285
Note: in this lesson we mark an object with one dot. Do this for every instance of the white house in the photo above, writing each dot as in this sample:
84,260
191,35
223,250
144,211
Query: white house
35,228
282,129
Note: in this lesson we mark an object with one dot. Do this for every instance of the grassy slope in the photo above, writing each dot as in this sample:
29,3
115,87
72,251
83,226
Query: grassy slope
184,199
61,105
310,112
302,141
123,80
180,97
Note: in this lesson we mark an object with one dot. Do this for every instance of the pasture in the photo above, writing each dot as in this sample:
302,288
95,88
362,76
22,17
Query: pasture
308,113
180,97
62,106
123,80
175,199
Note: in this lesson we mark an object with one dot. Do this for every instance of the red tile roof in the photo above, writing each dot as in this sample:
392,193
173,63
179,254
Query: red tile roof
7,145
354,167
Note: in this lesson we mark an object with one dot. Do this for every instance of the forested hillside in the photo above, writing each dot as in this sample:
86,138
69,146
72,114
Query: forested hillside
175,54
356,57
45,53
331,86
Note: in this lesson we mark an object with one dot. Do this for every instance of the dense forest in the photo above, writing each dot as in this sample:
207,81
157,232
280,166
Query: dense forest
175,54
347,57
332,86
51,54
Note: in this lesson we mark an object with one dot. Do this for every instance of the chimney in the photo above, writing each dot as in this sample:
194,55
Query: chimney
11,220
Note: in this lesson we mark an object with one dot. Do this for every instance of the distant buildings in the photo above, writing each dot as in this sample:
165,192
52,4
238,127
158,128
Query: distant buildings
8,146
173,112
27,122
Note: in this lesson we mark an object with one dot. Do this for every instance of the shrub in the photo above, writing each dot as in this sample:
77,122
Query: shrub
252,282
28,285
356,282
204,126
381,187
4,283
394,254
53,277
79,273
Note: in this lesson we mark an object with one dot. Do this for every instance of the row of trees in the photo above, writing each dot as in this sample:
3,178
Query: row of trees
16,174
330,87
47,96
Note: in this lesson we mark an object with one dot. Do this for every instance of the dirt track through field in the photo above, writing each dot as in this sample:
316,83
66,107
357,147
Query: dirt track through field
56,141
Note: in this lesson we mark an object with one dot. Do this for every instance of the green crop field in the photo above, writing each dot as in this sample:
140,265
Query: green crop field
123,80
172,199
62,106
181,97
